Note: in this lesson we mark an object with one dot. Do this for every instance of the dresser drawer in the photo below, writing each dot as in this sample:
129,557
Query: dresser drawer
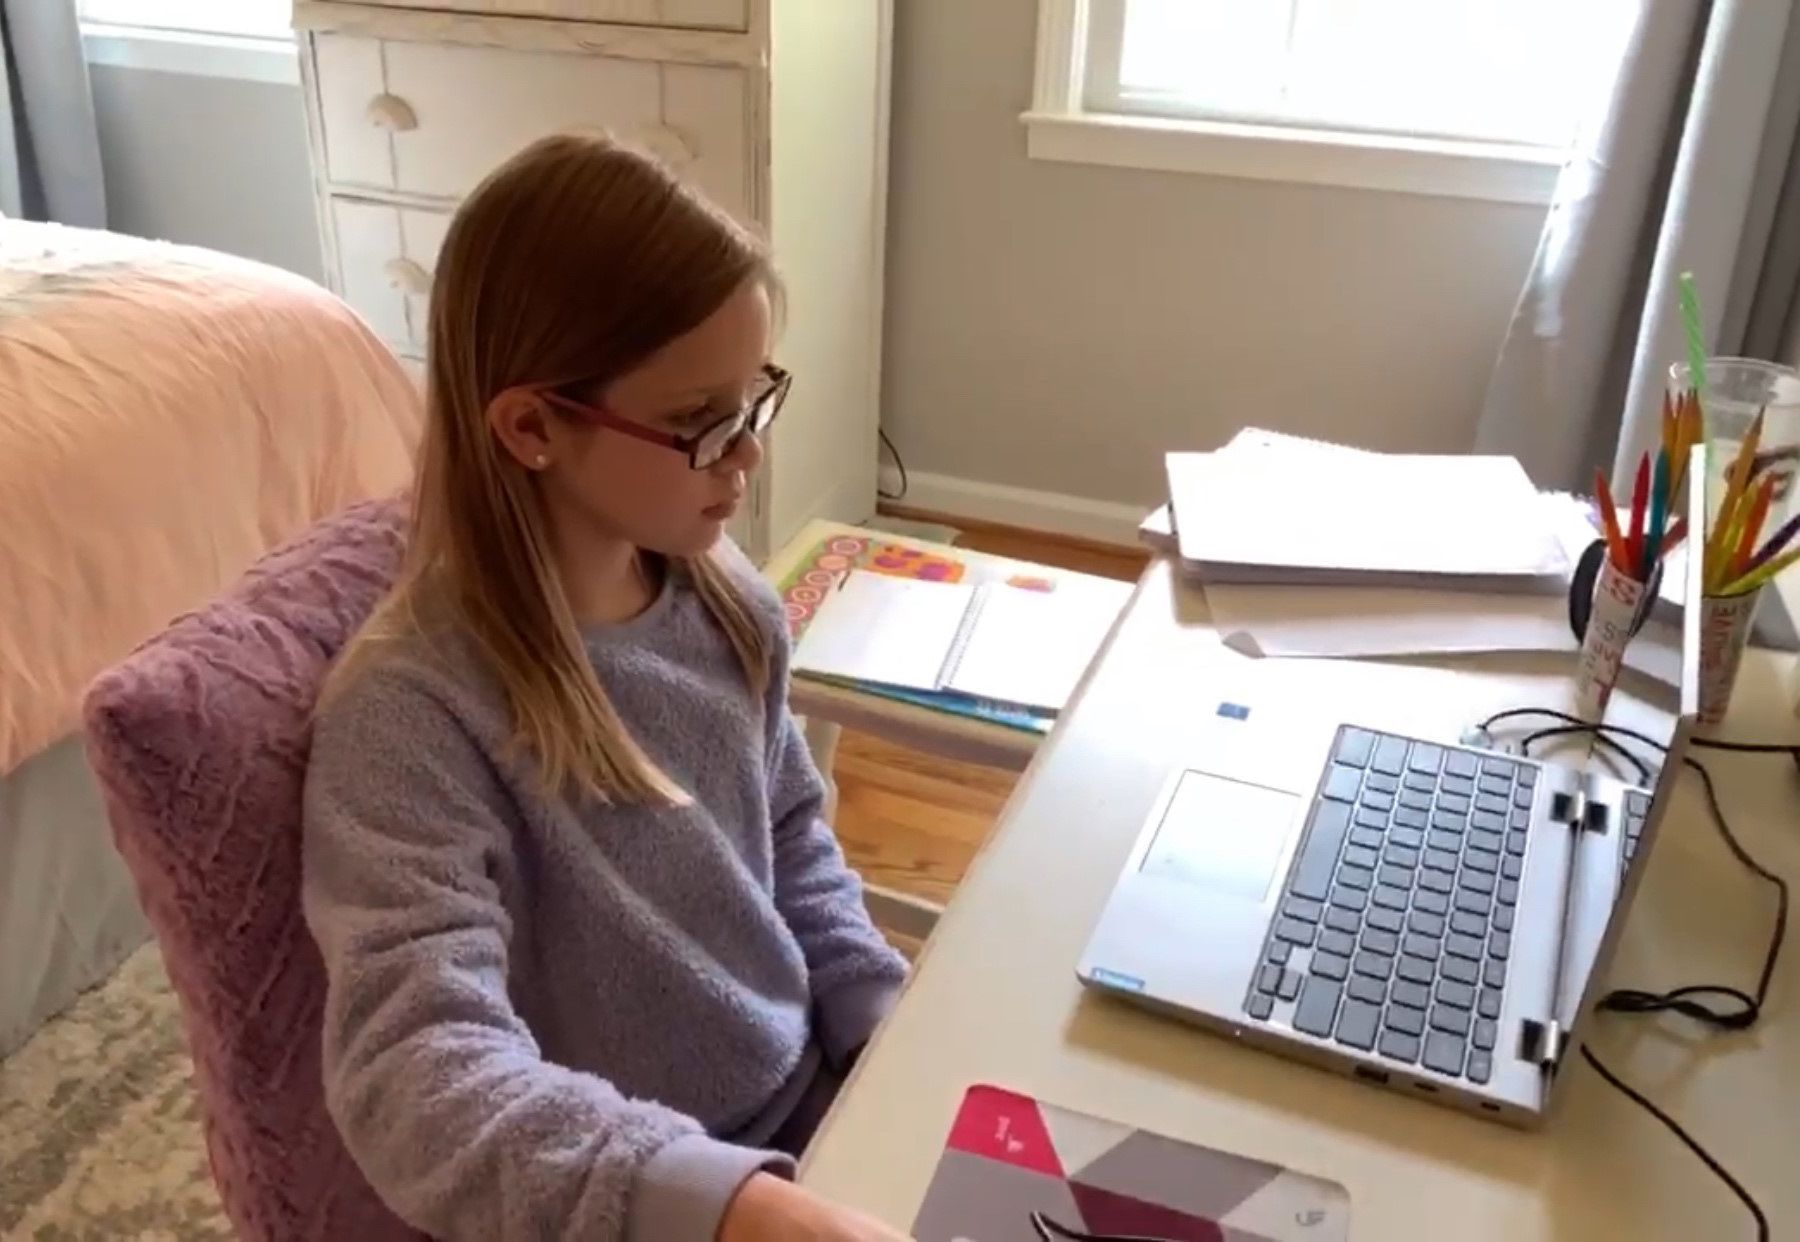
689,14
433,119
385,257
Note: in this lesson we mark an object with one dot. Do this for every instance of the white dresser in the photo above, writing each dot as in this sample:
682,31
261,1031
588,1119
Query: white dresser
777,109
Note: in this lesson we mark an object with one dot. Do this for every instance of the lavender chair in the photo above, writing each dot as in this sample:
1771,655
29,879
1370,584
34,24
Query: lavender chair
200,740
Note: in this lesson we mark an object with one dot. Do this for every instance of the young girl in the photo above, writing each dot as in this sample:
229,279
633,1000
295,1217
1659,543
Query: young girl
595,964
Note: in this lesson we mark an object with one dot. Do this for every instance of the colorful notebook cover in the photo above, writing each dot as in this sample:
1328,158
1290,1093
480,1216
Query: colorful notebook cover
803,590
1010,1156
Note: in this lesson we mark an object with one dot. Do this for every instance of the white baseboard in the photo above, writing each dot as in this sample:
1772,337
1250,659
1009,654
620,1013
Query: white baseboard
1103,520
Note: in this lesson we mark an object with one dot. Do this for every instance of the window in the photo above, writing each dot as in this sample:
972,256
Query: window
249,40
266,19
1475,97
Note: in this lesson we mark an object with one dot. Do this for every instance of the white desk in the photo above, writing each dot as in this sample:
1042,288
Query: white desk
995,997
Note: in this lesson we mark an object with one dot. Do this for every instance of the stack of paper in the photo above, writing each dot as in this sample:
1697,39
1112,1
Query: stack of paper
1360,616
1273,509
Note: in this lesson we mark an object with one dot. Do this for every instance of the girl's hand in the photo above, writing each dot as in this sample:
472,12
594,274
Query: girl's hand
768,1209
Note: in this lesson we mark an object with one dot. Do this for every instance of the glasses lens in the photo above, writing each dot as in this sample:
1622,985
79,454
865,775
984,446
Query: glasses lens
767,404
717,441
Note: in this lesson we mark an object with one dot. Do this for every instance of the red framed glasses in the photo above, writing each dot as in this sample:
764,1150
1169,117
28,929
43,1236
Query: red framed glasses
712,443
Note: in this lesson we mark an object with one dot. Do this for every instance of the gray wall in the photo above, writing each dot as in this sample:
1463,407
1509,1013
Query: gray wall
1060,326
1050,326
208,161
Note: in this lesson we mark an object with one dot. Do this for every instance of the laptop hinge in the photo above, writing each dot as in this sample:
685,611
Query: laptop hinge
1581,811
1542,1043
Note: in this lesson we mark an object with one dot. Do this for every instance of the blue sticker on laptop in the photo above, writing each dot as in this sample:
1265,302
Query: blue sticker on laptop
1234,711
1114,979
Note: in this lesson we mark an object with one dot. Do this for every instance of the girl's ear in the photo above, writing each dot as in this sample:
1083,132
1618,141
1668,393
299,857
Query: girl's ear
521,422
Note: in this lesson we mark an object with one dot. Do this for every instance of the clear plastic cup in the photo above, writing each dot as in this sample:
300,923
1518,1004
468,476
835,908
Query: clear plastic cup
1736,388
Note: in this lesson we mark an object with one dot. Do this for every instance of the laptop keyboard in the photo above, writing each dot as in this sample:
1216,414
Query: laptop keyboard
1396,924
1637,813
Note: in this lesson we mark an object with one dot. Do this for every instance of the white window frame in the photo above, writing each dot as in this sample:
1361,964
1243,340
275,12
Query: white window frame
242,57
1060,127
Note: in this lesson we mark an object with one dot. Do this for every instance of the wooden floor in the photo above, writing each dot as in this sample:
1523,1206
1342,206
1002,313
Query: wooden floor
911,821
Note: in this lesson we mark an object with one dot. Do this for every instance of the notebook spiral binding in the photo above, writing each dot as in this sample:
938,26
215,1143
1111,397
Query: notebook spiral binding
965,633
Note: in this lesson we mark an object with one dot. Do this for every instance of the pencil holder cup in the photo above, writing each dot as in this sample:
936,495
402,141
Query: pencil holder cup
1725,622
1607,608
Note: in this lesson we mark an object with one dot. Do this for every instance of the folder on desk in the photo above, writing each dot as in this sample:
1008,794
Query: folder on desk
1275,511
987,641
1013,1161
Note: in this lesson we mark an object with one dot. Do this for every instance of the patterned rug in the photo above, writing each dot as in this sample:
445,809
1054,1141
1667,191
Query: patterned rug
99,1133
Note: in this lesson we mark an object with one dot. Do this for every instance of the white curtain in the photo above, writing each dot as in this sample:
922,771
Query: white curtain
1691,167
49,143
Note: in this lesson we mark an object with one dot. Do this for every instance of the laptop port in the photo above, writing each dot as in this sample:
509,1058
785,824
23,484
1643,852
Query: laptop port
1373,1075
1426,1086
1492,1108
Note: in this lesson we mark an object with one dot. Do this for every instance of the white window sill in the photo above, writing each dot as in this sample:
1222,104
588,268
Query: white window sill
242,57
1501,174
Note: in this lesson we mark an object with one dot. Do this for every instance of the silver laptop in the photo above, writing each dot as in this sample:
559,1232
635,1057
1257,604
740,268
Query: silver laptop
1426,916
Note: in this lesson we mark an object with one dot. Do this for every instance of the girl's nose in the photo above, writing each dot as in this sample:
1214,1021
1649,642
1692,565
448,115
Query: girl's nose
745,455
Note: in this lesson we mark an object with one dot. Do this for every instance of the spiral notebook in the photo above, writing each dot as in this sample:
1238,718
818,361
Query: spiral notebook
988,640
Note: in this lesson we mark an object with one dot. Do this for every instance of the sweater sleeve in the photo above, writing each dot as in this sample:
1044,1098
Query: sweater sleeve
856,974
437,1086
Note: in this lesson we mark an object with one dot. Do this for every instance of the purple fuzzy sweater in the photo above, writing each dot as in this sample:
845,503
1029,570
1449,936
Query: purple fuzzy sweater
558,1019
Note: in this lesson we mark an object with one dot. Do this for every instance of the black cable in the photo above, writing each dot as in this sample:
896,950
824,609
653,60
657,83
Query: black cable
1683,1000
899,464
1585,726
1673,1127
1645,776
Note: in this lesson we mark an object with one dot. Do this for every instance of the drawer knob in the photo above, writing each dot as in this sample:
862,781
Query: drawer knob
668,144
407,276
392,113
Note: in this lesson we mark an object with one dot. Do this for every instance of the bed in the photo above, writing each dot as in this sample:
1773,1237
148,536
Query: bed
167,414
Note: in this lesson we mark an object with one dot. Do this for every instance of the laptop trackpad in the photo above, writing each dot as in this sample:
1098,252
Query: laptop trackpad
1223,835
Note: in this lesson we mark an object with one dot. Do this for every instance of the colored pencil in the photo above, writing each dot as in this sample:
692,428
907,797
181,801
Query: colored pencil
1687,435
1746,539
1659,513
1609,522
1759,577
1775,544
1737,481
1677,533
1640,497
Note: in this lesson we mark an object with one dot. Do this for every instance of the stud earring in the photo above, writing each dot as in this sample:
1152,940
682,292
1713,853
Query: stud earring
542,461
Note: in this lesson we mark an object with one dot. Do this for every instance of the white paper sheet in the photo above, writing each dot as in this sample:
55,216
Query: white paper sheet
1349,622
895,631
1310,514
1031,647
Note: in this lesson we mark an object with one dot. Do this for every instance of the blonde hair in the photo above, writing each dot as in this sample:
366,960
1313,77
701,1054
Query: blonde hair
571,263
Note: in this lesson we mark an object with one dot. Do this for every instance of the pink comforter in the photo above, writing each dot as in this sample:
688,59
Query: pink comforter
167,415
